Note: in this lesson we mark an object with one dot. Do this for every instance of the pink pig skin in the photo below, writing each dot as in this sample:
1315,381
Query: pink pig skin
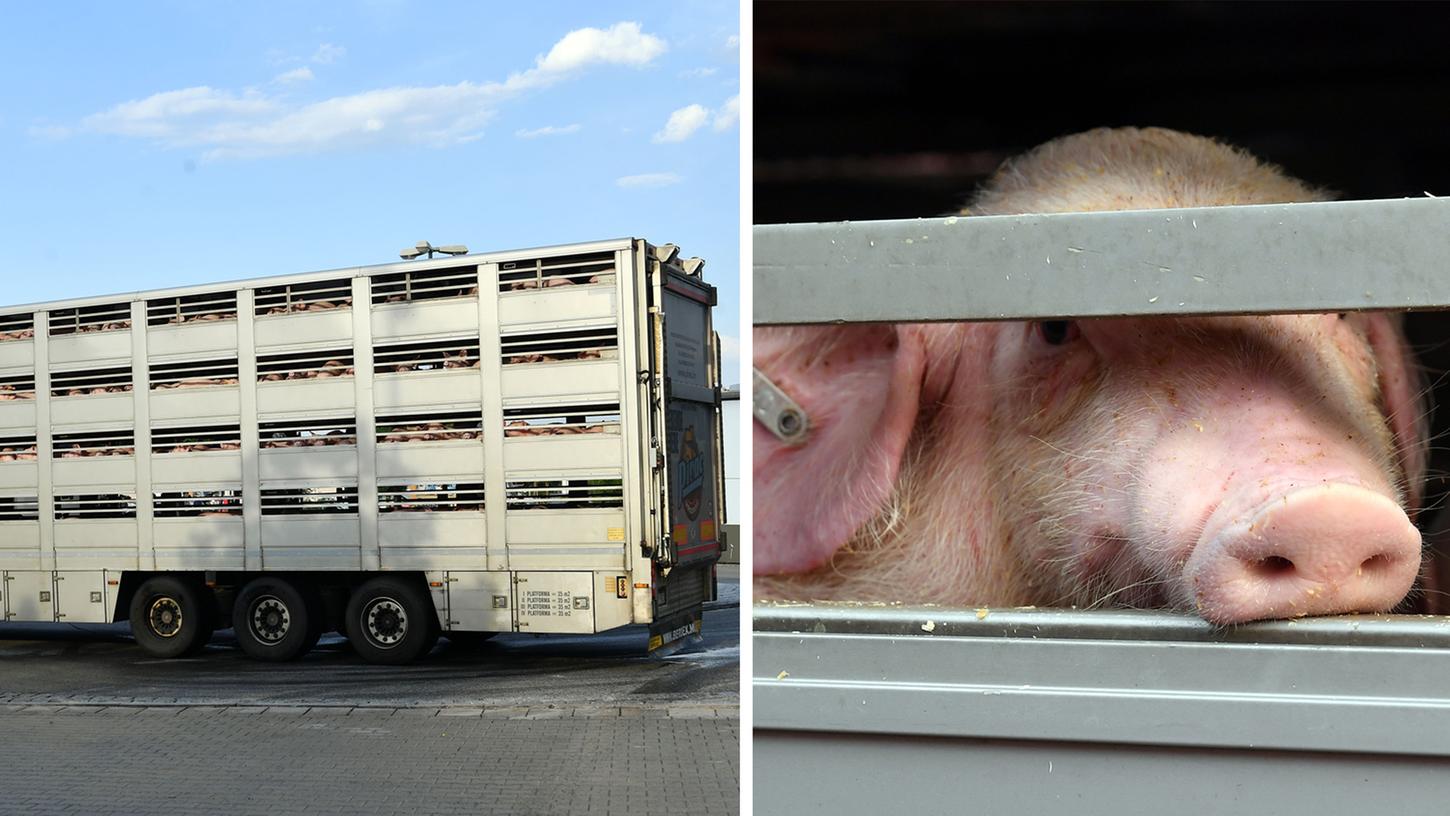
1239,467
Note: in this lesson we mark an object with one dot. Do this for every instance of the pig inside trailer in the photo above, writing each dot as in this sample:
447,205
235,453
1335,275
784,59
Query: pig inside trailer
521,441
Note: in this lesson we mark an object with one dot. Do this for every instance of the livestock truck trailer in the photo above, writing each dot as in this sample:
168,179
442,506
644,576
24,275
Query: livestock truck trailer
521,441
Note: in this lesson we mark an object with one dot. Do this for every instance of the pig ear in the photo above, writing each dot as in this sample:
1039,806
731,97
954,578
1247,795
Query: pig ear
860,388
1401,392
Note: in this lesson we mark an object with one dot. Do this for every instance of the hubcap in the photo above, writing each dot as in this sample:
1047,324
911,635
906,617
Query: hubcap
271,621
385,622
164,617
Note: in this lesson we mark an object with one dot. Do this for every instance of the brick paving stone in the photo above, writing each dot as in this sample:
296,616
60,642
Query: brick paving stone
537,713
505,712
460,711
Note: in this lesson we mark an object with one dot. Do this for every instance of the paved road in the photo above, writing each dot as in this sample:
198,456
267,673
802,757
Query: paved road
521,724
133,760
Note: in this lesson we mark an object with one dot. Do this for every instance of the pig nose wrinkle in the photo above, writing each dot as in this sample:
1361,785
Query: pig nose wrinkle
1321,550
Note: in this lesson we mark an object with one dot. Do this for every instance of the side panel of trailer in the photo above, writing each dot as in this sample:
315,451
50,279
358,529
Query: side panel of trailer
485,421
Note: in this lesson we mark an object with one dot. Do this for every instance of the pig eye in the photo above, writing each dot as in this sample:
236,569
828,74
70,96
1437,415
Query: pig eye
1057,332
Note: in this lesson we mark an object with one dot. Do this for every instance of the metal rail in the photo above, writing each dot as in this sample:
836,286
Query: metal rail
1364,683
1261,259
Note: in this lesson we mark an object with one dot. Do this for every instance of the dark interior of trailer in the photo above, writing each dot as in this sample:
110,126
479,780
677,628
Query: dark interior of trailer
901,109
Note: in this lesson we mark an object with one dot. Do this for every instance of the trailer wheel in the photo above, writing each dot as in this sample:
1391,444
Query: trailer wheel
277,619
391,621
171,616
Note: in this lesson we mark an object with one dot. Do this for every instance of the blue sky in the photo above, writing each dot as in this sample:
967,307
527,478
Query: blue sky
166,143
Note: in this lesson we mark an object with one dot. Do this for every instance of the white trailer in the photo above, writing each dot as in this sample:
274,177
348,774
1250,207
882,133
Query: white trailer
520,441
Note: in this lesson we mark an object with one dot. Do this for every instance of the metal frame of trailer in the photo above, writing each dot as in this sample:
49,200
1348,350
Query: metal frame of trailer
497,430
872,708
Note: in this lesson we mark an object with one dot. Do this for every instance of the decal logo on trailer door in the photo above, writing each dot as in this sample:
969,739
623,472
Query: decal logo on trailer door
691,473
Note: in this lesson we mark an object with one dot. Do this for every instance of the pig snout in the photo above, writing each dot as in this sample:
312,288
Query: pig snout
1320,550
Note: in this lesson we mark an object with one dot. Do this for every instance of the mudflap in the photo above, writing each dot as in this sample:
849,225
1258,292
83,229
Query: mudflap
677,631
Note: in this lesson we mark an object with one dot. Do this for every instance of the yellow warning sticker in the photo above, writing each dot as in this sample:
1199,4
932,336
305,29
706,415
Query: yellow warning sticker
707,530
616,533
681,534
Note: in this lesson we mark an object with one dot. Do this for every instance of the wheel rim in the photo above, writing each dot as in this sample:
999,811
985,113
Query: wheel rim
164,617
270,620
384,622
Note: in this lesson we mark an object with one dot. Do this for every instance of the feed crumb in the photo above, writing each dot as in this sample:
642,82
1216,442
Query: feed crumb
783,674
982,614
928,626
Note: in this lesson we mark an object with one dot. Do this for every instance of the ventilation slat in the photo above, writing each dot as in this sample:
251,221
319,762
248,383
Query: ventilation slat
17,386
19,508
206,307
194,374
198,503
17,327
120,442
294,501
430,498
90,381
431,427
560,346
561,420
550,273
430,355
305,365
307,433
425,284
108,317
95,506
196,439
565,494
315,296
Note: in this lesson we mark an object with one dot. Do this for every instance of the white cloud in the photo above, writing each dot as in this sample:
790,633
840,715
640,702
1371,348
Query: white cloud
170,114
327,54
696,73
547,130
649,180
732,41
728,115
620,44
303,74
230,124
683,123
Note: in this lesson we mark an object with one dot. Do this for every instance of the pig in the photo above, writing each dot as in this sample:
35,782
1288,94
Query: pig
1239,468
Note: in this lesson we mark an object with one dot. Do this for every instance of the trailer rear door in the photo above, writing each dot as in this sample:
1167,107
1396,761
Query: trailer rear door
694,478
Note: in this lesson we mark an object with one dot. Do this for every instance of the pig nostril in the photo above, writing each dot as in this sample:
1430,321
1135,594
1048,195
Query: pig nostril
1273,566
1376,563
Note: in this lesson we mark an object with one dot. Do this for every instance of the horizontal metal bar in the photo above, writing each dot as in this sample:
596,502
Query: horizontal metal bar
1362,684
1264,259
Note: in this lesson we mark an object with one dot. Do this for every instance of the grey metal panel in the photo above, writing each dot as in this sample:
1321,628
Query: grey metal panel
490,370
1317,257
1362,684
251,447
44,444
800,773
366,424
141,393
641,444
522,253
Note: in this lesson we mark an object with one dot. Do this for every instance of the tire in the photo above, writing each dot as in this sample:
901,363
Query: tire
277,619
172,616
391,621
